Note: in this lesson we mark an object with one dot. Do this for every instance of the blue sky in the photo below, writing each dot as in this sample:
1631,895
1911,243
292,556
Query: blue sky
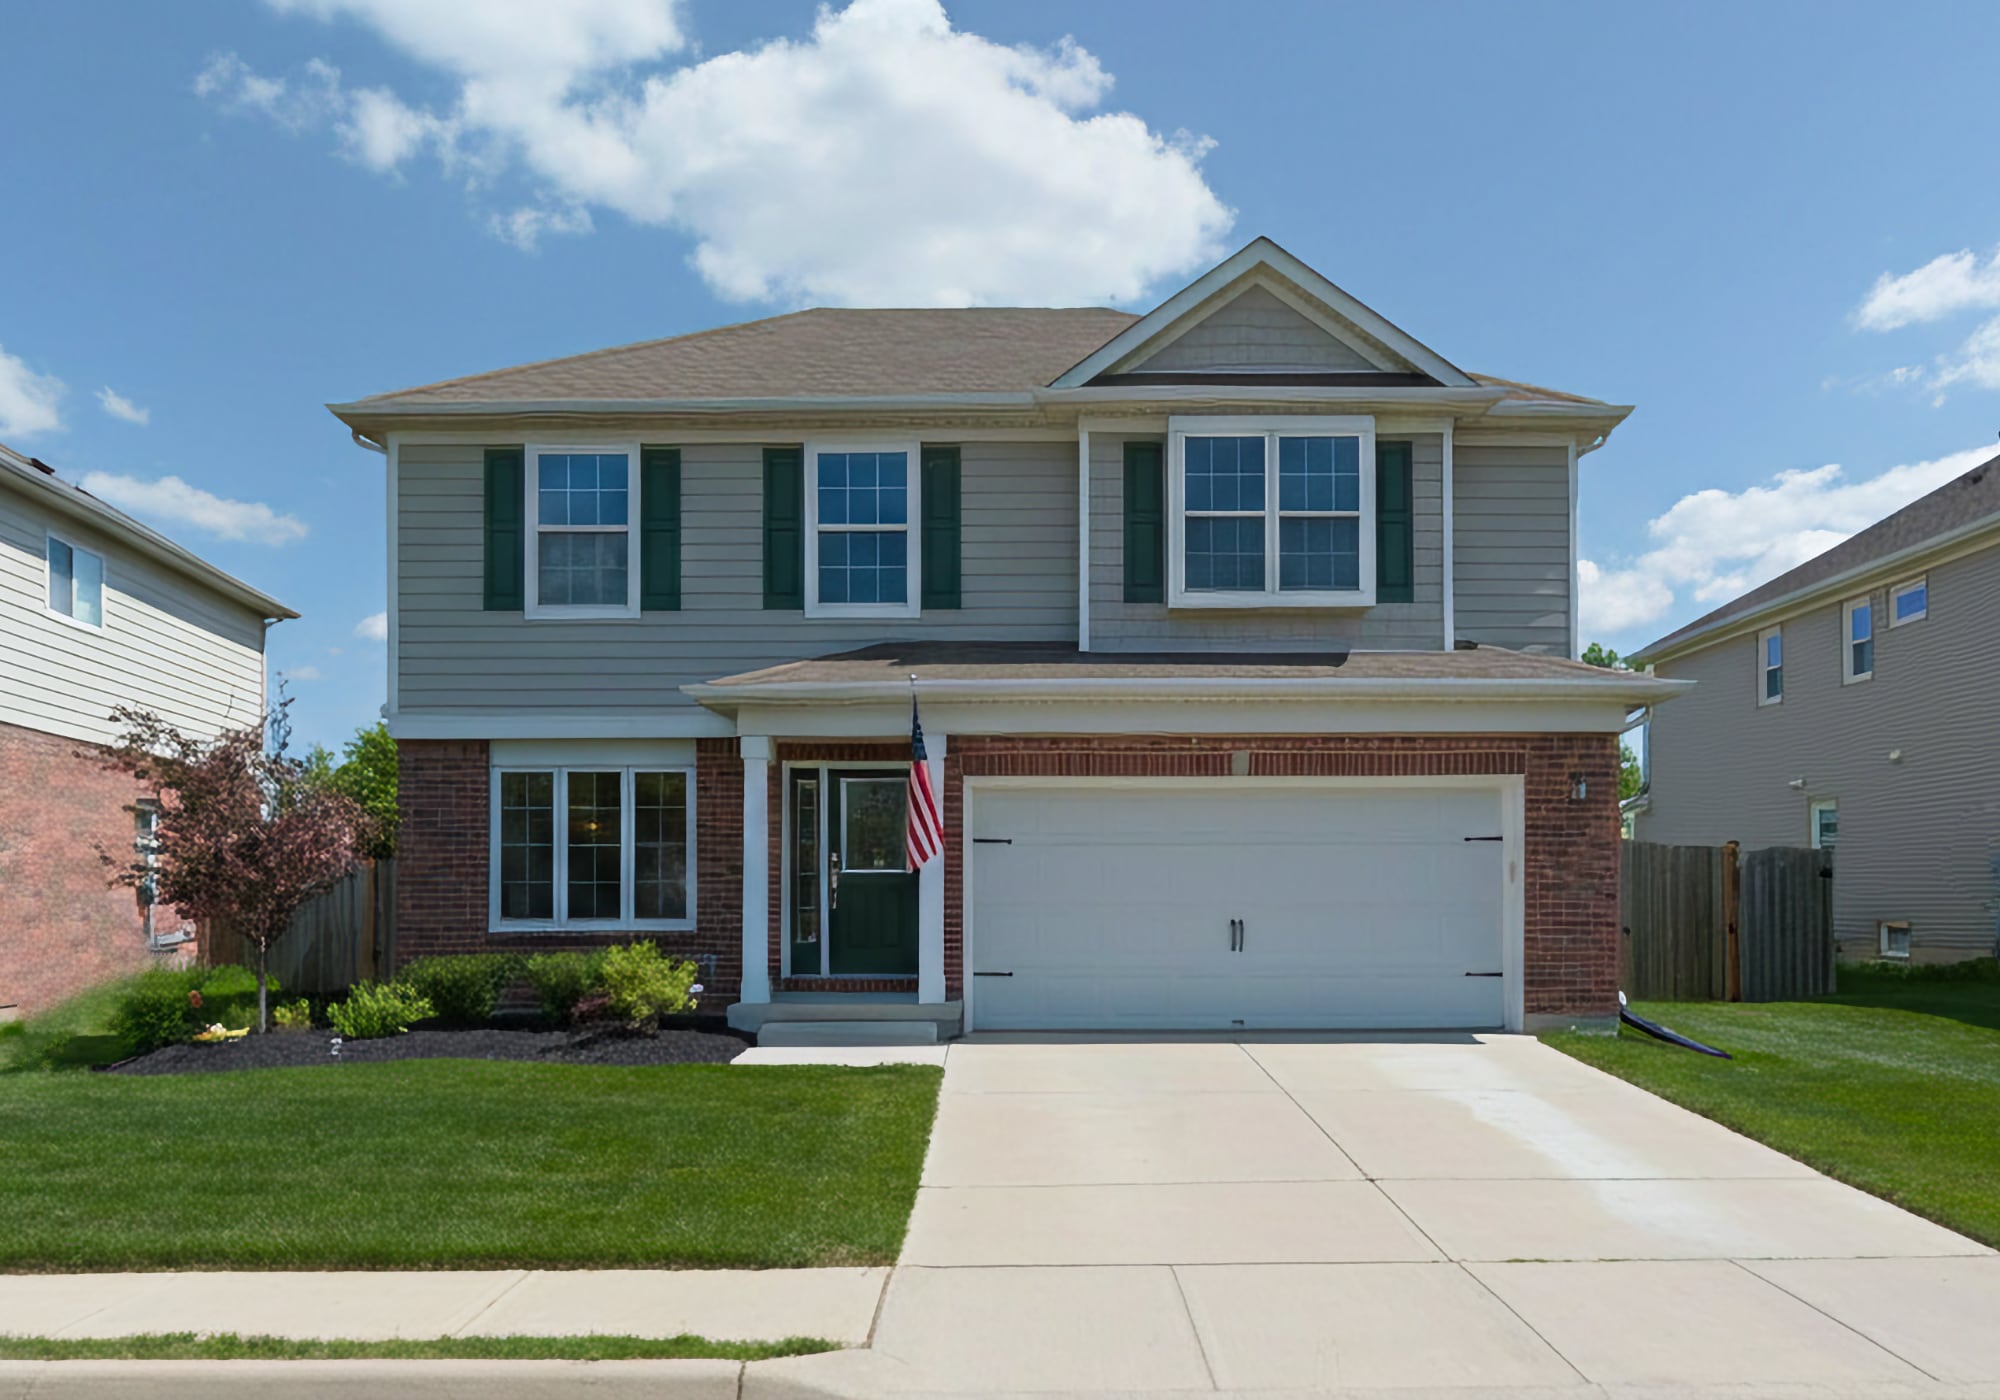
1771,227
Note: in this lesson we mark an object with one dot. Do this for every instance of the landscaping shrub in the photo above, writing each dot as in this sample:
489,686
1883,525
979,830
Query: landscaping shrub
1970,970
641,985
461,989
561,980
293,1016
165,1006
376,1009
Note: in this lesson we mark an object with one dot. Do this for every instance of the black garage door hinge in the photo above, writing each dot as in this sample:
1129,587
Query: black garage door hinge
992,840
992,974
1486,838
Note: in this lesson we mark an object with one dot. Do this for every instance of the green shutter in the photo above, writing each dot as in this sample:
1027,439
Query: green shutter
940,526
506,536
1395,518
784,528
659,529
1145,523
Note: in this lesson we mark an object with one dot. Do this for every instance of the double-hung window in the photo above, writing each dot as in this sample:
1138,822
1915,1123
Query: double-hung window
593,846
861,554
76,583
1770,666
1909,602
1274,512
581,505
1857,630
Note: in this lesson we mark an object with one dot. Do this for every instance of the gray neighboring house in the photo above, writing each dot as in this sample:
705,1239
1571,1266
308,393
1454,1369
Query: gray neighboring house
1850,703
1244,632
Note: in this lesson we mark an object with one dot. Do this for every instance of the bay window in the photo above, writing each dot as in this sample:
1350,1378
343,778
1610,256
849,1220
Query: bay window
1271,512
580,508
593,846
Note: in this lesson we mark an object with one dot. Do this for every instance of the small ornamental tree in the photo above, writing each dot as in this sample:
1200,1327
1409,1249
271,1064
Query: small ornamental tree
244,837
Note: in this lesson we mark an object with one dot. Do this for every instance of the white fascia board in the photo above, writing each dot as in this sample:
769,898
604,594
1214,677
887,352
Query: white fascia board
1261,253
891,719
1939,549
686,722
1631,688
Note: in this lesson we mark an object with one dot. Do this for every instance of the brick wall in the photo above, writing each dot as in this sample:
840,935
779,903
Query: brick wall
63,926
442,890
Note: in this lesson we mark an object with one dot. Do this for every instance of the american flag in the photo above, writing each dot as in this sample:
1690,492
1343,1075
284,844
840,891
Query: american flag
924,835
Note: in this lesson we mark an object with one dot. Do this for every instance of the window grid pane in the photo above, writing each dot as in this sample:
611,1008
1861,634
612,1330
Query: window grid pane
61,564
527,846
864,513
1224,474
595,845
1319,552
659,839
1319,474
88,573
1912,601
582,569
1225,552
864,566
583,488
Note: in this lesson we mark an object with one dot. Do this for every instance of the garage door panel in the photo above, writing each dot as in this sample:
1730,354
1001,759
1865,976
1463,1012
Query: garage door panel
1110,907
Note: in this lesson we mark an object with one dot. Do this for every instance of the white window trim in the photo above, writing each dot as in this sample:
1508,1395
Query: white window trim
628,866
1921,581
535,609
1270,428
913,591
1848,675
48,577
1882,927
1813,809
1764,667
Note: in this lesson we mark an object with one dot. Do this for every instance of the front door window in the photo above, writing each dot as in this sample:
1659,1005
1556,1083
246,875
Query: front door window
874,818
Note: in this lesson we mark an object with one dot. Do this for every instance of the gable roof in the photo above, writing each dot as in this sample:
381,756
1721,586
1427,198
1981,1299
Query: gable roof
39,480
1965,505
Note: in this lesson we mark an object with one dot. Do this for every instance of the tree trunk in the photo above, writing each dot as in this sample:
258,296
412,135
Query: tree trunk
263,1000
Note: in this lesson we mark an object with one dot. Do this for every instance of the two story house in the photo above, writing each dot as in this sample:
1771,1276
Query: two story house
97,611
1847,704
1242,632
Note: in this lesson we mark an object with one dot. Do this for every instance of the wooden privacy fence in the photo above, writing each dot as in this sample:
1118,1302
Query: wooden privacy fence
347,935
1712,923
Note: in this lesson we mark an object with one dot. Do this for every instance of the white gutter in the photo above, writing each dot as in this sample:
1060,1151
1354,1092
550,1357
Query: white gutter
1842,582
1302,688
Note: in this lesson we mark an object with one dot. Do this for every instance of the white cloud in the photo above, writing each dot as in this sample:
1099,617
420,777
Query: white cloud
885,159
1713,545
172,501
118,406
27,399
300,673
310,101
374,627
1943,287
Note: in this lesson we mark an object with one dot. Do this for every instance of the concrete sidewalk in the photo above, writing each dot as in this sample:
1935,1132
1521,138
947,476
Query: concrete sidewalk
738,1305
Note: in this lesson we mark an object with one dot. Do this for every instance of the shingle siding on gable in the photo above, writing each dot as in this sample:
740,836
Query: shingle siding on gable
1510,547
1257,331
1118,625
1018,547
1918,837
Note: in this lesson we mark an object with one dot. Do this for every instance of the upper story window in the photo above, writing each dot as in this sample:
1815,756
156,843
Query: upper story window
1857,652
581,504
1770,666
1909,602
76,583
861,554
1271,512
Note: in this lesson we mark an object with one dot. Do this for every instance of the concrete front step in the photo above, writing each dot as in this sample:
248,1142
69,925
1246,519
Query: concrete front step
848,1032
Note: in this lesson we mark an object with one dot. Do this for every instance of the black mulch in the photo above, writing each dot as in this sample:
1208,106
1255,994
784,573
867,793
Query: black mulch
281,1049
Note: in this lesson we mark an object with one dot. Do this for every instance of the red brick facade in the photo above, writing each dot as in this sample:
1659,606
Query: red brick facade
63,925
1571,846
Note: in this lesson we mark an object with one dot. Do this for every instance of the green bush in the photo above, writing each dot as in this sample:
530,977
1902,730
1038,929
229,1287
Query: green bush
165,1006
640,985
293,1016
376,1009
1968,970
561,980
462,989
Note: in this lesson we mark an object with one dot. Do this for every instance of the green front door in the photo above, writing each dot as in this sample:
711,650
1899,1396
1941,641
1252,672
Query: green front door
872,894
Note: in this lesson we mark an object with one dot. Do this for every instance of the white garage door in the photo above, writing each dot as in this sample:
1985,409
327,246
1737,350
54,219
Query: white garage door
1136,908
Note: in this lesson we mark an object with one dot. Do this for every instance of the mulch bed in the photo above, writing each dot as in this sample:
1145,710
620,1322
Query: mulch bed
282,1049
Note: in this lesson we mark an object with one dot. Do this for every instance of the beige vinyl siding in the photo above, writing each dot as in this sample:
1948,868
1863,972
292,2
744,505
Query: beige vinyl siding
1511,547
1018,545
1918,836
1256,331
168,644
1116,625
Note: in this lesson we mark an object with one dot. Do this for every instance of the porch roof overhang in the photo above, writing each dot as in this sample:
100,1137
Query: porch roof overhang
961,673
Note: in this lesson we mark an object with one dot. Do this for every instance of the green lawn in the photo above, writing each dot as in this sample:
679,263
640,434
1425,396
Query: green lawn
227,1346
1893,1085
461,1164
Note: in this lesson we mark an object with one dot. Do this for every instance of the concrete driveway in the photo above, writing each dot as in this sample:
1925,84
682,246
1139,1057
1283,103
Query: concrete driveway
1383,1213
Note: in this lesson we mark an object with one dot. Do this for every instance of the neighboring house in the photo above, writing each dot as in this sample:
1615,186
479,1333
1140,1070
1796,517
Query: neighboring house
1242,631
97,611
1850,704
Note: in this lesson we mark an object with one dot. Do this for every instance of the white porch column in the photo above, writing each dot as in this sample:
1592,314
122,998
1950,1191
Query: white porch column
930,895
756,868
